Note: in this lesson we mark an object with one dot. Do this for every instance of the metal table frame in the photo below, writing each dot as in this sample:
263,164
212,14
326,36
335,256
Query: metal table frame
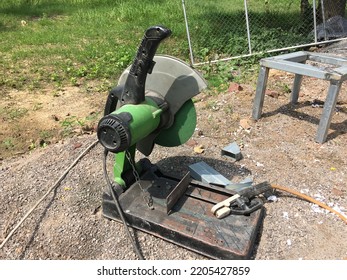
296,63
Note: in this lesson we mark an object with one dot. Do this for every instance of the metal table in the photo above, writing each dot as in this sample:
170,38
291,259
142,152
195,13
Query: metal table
295,63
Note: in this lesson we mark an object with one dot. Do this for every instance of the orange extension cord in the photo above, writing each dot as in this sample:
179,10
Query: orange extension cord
310,199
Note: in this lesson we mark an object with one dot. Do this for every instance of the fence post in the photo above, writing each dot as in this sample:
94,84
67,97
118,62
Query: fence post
314,21
248,30
188,34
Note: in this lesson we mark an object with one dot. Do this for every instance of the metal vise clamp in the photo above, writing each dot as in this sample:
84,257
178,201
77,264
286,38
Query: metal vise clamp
226,207
222,209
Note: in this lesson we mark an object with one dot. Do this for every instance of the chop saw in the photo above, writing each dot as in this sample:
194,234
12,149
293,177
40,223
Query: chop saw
152,104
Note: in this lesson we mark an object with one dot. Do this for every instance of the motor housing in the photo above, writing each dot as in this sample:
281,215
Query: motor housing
129,124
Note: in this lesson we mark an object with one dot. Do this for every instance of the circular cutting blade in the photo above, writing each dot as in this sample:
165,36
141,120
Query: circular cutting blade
176,82
182,128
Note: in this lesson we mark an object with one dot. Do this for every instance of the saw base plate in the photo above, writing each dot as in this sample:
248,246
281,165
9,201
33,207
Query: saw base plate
190,223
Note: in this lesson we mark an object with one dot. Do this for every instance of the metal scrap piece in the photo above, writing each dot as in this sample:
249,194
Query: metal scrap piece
177,192
232,150
247,182
201,171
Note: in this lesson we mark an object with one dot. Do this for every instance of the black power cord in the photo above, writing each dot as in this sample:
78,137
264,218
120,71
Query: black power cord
119,209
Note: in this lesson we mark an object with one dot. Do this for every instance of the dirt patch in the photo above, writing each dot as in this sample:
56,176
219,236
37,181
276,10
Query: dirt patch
35,119
279,148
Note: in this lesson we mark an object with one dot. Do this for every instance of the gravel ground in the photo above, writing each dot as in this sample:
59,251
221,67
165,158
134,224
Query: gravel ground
279,148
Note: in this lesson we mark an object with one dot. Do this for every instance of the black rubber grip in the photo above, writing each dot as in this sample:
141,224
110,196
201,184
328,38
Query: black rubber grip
134,88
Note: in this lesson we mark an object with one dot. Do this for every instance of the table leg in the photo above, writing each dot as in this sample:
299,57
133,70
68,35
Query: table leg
328,110
260,92
296,89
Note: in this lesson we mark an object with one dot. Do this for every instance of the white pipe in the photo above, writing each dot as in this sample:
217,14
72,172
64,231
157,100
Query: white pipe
248,29
188,34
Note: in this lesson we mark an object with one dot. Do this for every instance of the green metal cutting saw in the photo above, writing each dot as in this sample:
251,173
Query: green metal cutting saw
144,110
152,104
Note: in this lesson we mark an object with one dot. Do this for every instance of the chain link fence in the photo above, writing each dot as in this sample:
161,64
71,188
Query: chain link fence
227,29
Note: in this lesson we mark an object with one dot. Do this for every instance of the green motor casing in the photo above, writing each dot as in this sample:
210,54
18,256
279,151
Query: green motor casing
127,125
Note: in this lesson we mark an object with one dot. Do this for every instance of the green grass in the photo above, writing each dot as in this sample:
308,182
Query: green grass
68,41
63,41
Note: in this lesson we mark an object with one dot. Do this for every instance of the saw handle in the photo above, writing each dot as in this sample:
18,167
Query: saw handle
134,88
112,99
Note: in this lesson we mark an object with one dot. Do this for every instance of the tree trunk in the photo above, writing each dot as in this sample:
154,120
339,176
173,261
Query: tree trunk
306,14
305,7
